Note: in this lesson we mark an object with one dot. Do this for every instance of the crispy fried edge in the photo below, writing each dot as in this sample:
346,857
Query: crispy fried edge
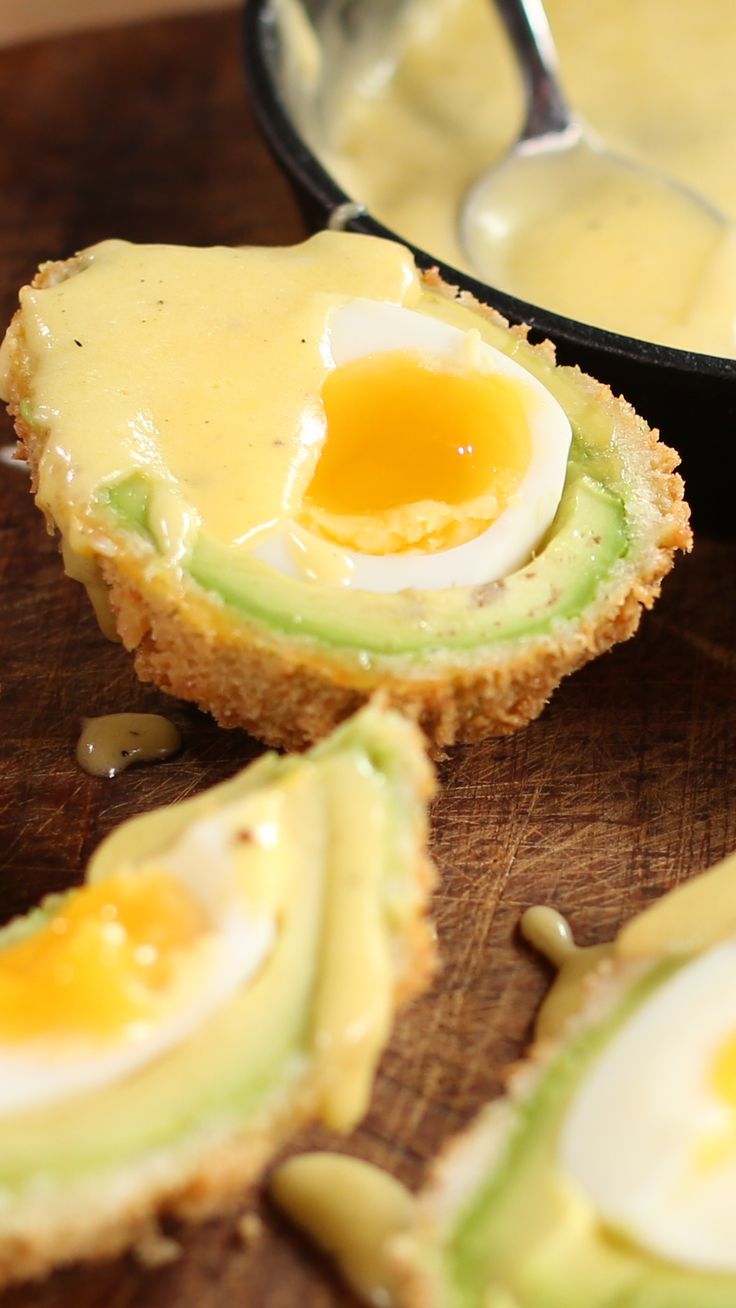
290,693
463,1163
225,1173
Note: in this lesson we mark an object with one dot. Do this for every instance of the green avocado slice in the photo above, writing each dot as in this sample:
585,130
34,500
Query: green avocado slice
350,848
521,1238
500,1223
593,531
588,537
519,1233
176,531
594,540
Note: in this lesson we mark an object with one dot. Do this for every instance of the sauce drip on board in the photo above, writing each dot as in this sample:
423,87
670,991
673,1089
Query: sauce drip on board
111,743
549,932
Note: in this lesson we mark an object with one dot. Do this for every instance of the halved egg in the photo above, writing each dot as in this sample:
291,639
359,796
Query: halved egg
127,967
442,461
300,474
650,1137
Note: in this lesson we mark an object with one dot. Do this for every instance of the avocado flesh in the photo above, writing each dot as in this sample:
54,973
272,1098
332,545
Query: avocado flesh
593,530
588,537
257,1049
519,1242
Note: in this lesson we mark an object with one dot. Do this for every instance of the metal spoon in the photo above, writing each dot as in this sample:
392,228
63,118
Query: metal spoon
556,158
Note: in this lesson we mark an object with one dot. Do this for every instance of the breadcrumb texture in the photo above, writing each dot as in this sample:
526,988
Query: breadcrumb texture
209,1177
467,1161
289,692
213,1171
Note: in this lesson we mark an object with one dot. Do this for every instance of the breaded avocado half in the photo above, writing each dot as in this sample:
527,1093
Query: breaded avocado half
605,1177
229,970
171,404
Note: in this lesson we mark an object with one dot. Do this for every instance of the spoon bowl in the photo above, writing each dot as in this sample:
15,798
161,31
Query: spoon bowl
560,199
690,396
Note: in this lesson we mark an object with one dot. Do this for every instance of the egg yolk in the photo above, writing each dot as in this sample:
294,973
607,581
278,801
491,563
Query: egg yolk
101,962
724,1071
400,431
719,1145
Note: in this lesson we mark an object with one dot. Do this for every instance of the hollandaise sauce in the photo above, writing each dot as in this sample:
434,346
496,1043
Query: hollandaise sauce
316,400
409,116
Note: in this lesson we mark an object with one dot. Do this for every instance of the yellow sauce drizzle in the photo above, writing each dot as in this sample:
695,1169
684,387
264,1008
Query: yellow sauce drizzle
111,743
87,570
173,380
550,933
353,1001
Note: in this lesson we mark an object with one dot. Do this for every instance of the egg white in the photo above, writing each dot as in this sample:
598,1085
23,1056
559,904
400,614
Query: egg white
368,327
634,1135
43,1070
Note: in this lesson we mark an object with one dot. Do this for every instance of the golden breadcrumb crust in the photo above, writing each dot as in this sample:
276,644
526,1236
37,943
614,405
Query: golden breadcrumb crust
208,1176
468,1158
290,693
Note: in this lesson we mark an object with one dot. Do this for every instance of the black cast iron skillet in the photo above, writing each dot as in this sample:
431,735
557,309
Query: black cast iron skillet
690,397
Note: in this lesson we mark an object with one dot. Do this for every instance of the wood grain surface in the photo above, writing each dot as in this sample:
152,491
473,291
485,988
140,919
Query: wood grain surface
27,20
624,787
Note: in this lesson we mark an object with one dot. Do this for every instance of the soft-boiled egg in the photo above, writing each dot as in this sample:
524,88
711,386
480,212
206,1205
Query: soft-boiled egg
650,1137
442,461
127,967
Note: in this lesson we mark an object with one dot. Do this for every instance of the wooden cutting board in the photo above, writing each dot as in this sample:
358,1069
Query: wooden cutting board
624,787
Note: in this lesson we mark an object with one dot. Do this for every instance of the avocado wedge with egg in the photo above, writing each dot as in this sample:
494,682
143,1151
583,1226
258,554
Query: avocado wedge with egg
172,402
229,971
605,1176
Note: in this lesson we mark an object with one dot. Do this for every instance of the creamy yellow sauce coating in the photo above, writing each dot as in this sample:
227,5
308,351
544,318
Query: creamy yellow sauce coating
253,391
314,816
305,864
550,933
692,917
359,1215
200,369
86,570
354,999
409,117
111,953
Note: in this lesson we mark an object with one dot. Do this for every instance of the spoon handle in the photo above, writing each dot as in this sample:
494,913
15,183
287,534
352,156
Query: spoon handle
528,28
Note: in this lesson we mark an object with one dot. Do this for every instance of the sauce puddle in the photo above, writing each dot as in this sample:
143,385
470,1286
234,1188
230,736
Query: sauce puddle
111,743
352,1210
